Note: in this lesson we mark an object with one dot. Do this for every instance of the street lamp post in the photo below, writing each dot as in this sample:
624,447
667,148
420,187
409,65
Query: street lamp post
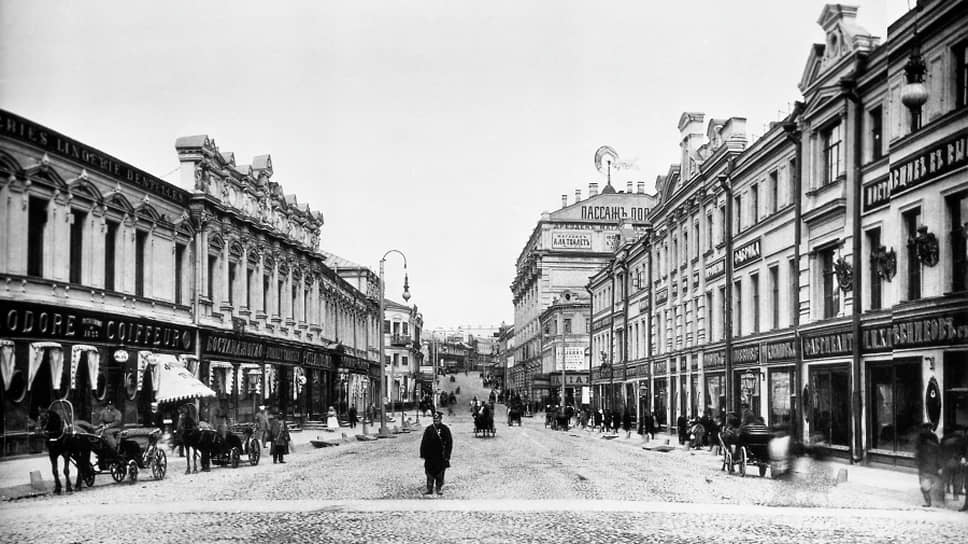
406,296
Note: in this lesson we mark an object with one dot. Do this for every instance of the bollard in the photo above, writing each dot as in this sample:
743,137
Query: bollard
36,480
842,475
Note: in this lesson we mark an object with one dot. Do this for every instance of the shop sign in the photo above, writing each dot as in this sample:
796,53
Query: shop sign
639,371
934,162
250,349
876,193
714,359
354,363
784,350
661,296
121,356
570,379
18,128
661,367
937,330
715,269
26,320
745,355
748,253
571,240
829,344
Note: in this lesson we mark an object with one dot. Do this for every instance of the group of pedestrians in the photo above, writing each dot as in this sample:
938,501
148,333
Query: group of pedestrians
942,465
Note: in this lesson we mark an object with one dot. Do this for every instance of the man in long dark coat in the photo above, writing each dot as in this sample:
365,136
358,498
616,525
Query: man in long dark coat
435,450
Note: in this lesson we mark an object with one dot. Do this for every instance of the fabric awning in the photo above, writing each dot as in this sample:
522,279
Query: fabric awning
176,383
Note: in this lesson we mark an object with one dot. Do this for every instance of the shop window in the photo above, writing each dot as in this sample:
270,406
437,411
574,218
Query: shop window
110,243
715,394
958,214
830,292
36,225
895,404
831,139
78,218
830,406
955,397
781,397
911,219
140,249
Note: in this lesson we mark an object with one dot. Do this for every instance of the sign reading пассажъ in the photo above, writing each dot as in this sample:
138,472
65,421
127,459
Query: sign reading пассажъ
919,169
18,128
40,321
571,240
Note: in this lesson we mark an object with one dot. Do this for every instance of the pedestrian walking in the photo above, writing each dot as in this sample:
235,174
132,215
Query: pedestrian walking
627,421
280,439
599,420
435,450
352,416
928,454
262,426
648,425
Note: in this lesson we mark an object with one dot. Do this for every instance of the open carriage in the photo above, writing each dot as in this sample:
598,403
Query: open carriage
484,422
515,411
746,447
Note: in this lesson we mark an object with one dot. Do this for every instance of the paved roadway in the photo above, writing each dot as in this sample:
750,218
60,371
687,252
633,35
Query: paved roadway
527,484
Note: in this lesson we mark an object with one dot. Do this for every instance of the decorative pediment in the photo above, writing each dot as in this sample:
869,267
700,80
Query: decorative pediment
83,188
119,202
843,38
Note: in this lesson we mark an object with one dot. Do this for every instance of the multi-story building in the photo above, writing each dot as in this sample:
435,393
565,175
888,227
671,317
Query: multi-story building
402,326
564,249
135,278
564,349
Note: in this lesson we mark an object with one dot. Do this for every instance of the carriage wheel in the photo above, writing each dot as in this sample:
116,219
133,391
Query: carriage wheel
743,460
89,475
132,471
159,464
255,451
234,456
118,471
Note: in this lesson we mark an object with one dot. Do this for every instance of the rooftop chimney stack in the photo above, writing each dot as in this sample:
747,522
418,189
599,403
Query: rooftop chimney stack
628,187
564,201
641,188
592,189
577,196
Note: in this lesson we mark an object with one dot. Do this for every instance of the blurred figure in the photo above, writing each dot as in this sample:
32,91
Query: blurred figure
928,454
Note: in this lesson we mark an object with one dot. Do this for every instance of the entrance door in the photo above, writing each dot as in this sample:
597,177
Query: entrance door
830,405
895,404
781,398
659,403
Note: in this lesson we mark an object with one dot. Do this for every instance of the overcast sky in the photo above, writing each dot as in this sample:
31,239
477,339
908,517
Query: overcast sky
440,128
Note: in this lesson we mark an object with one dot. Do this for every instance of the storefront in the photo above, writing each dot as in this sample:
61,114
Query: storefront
90,358
247,372
574,382
353,384
661,394
713,370
780,357
826,357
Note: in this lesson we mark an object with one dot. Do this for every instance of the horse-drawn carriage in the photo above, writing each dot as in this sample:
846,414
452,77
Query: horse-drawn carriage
484,422
123,452
745,447
515,411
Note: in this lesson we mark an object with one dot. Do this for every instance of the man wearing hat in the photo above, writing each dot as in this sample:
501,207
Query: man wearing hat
435,449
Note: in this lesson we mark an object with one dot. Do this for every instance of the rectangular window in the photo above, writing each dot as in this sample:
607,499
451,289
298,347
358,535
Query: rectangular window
794,291
305,308
831,140
212,268
738,308
911,219
722,223
232,267
874,243
406,362
567,325
722,315
396,328
78,218
685,246
406,328
140,250
293,297
386,326
774,191
675,254
266,287
396,359
961,74
695,241
737,214
36,225
280,291
877,133
775,297
708,314
958,212
709,231
755,294
754,203
179,270
249,274
110,242
830,291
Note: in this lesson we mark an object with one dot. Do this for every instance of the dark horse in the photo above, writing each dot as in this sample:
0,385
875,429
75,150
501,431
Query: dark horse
63,442
199,440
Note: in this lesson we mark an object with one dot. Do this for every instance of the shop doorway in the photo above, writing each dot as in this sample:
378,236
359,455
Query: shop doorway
830,406
895,405
659,404
955,397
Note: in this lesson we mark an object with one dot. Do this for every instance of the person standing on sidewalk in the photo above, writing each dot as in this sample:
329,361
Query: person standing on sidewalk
435,450
928,454
280,439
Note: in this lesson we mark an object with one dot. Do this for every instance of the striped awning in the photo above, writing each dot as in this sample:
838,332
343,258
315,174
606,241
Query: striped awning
177,383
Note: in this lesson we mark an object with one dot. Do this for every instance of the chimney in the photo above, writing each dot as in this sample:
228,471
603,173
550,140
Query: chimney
628,187
577,196
564,201
641,187
592,189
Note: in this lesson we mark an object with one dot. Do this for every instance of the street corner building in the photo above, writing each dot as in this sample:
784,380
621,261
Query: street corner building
816,274
123,288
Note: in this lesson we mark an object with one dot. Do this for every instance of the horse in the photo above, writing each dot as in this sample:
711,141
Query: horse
197,441
63,442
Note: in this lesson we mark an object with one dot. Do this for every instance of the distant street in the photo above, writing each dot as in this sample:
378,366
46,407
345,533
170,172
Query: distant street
527,484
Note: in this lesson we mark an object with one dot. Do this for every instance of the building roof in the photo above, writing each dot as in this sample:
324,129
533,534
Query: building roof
335,261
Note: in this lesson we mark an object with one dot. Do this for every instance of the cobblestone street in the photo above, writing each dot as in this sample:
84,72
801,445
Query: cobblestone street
526,484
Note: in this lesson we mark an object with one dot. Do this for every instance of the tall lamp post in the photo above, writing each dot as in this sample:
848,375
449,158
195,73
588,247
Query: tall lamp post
611,377
406,296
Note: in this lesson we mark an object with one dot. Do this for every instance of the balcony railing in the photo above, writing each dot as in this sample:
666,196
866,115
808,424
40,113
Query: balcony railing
400,340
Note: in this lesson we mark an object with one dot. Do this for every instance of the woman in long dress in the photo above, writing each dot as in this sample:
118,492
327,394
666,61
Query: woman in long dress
332,423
